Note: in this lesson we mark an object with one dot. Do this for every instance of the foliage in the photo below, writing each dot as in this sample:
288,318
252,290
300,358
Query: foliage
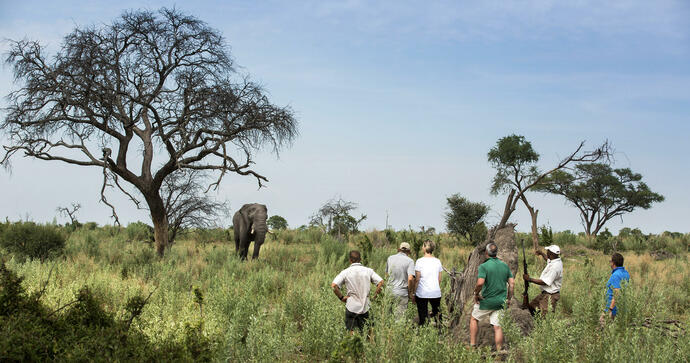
600,192
512,157
281,308
365,247
464,216
187,205
139,232
546,236
80,330
28,239
335,218
277,222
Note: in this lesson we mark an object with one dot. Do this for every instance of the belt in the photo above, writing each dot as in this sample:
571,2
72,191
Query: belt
550,293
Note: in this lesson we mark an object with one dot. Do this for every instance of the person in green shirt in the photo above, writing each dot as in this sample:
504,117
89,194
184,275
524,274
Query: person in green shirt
491,295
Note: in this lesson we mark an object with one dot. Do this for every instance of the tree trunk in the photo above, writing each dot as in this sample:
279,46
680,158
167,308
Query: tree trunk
462,285
507,211
160,222
533,213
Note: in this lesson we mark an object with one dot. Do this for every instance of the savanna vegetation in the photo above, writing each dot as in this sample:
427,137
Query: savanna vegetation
104,294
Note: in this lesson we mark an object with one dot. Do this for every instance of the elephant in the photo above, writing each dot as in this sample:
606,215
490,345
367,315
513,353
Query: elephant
249,224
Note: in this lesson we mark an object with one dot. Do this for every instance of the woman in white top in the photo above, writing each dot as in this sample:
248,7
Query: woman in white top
428,271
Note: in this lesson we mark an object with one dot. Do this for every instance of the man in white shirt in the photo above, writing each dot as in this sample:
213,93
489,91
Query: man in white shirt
400,275
357,280
549,281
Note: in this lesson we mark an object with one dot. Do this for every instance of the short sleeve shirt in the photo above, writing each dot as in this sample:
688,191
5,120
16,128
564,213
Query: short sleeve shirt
552,276
357,279
428,286
399,267
618,275
494,292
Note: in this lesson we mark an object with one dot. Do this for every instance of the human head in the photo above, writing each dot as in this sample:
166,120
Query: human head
552,251
355,256
404,247
617,259
428,246
491,249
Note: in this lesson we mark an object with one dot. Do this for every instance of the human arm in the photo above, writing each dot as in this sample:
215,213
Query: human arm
336,291
534,281
613,301
478,289
376,279
511,287
542,254
410,287
378,288
418,276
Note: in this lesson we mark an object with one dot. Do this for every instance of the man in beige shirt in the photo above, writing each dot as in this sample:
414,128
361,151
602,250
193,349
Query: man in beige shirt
357,279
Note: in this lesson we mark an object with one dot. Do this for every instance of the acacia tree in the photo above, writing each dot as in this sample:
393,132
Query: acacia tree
515,162
464,216
187,204
158,84
600,193
70,212
277,222
334,217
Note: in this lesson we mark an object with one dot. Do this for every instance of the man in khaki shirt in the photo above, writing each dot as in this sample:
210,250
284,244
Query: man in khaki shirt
357,279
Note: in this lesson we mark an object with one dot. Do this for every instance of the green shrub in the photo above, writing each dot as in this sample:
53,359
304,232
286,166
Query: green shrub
139,232
28,239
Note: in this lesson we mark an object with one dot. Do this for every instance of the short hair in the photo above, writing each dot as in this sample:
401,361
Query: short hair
617,259
491,249
355,256
429,246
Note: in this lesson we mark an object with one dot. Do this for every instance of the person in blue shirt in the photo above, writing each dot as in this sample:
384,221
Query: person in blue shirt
618,276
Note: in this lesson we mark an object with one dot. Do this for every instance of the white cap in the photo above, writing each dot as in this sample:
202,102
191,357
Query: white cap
405,246
554,249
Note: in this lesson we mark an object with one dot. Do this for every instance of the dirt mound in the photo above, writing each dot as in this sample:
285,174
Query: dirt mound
460,300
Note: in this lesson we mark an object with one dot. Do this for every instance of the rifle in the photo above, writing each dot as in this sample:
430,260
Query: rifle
525,293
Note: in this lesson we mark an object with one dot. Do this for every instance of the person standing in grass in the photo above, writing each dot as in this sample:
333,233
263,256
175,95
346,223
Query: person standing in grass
618,276
549,281
357,279
427,289
400,275
493,292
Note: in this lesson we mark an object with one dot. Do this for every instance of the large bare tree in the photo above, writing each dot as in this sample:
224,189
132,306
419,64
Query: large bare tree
148,95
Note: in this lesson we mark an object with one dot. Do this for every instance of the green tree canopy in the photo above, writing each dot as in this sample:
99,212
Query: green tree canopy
600,192
463,216
277,222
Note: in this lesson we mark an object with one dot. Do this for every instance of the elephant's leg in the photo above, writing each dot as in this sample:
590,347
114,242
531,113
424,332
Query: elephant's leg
257,246
244,246
236,234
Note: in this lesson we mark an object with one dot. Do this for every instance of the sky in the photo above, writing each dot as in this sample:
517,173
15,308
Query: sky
398,103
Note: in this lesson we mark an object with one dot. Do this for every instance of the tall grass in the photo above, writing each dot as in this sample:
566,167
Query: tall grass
281,308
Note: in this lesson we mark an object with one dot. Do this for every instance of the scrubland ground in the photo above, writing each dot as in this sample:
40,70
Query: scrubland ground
205,304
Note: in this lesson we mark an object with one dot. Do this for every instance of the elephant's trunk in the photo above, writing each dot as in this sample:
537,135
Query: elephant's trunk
259,232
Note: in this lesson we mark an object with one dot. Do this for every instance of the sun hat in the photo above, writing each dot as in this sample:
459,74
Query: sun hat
554,249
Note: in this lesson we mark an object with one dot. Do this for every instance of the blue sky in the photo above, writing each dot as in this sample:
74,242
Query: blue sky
400,101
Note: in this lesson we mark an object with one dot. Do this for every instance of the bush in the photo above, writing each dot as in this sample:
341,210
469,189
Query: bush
139,232
28,239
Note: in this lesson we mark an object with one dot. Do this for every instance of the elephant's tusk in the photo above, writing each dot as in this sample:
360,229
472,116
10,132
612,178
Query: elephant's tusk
252,232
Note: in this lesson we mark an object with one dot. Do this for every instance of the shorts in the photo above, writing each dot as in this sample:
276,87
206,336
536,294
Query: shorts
493,315
353,320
